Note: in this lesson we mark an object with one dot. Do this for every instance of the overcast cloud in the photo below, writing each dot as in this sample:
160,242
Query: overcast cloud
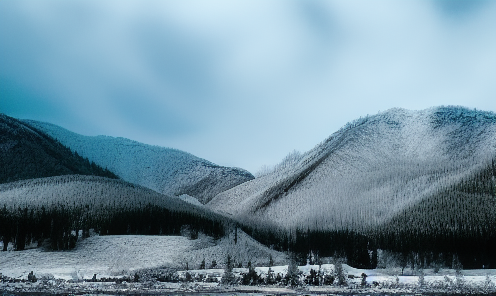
240,83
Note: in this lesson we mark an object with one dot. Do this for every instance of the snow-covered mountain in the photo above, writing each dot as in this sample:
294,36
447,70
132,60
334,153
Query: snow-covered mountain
168,171
26,152
379,169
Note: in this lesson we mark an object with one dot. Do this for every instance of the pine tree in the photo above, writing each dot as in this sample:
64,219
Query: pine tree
340,275
270,280
251,278
228,277
292,276
213,265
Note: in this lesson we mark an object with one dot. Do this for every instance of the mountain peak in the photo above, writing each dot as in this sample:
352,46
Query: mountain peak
369,170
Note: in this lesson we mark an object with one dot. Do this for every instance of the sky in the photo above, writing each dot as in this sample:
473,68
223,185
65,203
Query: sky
240,83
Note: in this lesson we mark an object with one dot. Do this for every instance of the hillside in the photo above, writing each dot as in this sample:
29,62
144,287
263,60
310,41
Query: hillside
57,208
370,170
168,171
26,152
404,173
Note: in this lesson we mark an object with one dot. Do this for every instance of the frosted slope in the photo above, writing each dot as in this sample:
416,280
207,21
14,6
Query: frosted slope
369,170
242,251
165,170
80,190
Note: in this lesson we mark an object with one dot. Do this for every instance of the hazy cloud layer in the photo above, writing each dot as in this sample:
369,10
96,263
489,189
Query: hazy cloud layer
240,83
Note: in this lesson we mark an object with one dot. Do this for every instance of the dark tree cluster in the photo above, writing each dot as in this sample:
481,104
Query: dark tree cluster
359,250
62,226
457,221
59,210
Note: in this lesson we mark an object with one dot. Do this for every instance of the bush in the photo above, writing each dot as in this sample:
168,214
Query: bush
270,279
32,277
313,278
250,278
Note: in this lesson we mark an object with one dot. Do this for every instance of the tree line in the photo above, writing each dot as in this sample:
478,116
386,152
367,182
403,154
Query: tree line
455,225
60,226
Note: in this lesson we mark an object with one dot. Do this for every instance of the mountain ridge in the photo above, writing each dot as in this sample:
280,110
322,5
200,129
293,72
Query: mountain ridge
165,170
397,138
26,152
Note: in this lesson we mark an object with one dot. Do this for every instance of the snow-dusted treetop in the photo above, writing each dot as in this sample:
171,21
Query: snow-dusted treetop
369,171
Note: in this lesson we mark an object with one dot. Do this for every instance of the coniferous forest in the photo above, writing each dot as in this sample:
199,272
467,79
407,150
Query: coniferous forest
58,210
456,226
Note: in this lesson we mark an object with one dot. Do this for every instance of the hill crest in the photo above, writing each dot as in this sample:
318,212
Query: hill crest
165,170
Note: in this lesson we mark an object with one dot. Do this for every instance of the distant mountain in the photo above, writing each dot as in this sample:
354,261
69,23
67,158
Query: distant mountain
425,172
165,170
26,152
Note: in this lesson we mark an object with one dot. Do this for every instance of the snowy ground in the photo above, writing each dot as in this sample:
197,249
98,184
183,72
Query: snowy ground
58,287
101,255
117,256
110,256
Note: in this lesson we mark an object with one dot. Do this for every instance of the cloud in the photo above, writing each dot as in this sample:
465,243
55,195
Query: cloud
460,8
240,82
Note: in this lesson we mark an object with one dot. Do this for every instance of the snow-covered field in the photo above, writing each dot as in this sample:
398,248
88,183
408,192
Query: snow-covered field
483,283
102,255
110,256
124,256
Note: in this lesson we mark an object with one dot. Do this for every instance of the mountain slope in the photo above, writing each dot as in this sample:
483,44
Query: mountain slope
58,207
165,170
26,152
368,172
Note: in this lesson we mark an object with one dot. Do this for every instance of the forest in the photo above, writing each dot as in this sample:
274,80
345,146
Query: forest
455,226
443,230
54,212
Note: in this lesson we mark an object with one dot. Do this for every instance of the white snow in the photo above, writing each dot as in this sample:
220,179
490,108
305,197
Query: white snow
118,255
371,169
102,255
190,199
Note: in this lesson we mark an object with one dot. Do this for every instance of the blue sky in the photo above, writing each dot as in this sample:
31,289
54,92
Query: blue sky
240,83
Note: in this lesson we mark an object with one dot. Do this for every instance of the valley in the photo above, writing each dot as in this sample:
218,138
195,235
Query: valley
407,198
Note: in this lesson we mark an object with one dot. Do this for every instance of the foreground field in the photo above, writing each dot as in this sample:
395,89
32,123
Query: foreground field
108,264
102,255
111,256
475,285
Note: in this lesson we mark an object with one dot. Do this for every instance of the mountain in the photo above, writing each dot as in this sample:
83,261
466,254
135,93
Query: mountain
369,170
165,170
26,152
416,175
58,207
